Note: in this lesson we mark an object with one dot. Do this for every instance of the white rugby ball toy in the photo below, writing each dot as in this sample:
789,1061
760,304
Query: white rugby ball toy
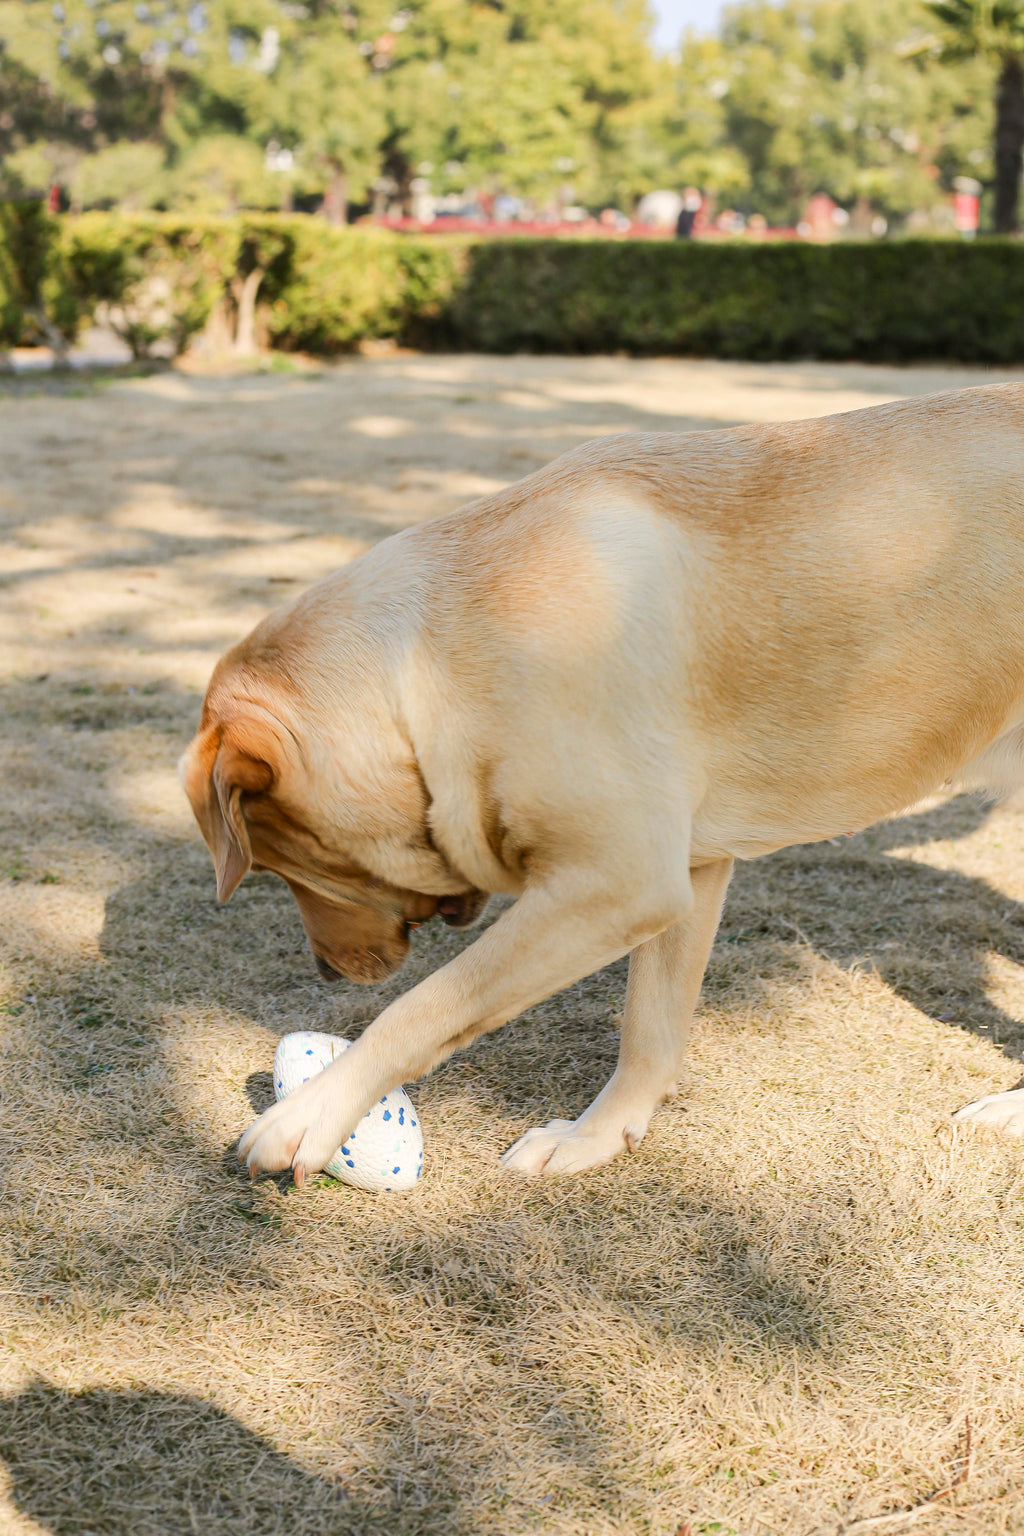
385,1151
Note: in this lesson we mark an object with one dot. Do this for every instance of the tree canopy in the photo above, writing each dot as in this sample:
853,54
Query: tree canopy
993,30
829,95
218,104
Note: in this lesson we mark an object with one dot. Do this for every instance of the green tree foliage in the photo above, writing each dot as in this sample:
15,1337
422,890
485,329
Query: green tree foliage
993,30
833,95
515,94
521,95
252,103
128,174
220,173
327,107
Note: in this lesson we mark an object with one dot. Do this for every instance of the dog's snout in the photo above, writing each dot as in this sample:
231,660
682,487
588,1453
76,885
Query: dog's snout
326,971
461,911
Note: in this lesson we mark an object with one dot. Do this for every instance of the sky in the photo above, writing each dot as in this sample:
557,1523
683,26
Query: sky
674,15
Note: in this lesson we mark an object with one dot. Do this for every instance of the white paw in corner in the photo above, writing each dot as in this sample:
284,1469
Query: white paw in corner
998,1111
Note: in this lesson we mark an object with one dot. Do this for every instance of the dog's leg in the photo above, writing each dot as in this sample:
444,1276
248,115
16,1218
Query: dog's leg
552,936
665,975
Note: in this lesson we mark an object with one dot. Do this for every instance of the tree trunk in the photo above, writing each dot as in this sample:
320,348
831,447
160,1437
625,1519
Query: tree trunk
55,337
335,207
218,332
1009,143
245,297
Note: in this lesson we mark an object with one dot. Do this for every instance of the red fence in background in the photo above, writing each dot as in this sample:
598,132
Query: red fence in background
590,229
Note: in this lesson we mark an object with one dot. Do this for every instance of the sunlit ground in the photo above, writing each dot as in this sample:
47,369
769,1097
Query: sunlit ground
782,1315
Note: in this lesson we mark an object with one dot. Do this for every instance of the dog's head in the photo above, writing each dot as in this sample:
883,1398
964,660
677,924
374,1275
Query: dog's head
353,846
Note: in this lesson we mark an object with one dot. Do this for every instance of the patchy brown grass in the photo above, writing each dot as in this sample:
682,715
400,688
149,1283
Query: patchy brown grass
779,1317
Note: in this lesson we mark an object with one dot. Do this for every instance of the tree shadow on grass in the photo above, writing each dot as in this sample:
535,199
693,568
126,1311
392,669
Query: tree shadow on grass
146,1463
530,1306
928,932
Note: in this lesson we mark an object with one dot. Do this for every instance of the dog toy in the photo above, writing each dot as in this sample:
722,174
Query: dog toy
385,1151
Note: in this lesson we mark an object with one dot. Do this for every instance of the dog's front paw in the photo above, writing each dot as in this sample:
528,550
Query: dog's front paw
301,1132
567,1146
998,1111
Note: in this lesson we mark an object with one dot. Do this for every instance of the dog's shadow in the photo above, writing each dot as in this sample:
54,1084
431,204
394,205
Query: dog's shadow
930,933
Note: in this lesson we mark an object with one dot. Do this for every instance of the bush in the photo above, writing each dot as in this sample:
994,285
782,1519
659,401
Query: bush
341,285
348,285
37,299
897,301
158,277
161,279
299,283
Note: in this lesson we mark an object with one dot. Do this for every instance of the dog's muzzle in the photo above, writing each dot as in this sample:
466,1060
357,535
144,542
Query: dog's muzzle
460,911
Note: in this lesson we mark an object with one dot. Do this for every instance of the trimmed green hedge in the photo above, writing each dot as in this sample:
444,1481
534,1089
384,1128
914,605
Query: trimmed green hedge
897,301
294,282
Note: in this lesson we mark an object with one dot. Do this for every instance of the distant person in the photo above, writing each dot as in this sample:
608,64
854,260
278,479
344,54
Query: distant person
692,201
659,209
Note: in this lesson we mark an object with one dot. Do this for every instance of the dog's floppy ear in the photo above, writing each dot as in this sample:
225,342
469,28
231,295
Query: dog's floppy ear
225,762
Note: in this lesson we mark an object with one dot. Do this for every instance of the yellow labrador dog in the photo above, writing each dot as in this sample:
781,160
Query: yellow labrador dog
595,690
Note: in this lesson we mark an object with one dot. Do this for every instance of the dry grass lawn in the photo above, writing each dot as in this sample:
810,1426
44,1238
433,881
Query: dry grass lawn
780,1317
